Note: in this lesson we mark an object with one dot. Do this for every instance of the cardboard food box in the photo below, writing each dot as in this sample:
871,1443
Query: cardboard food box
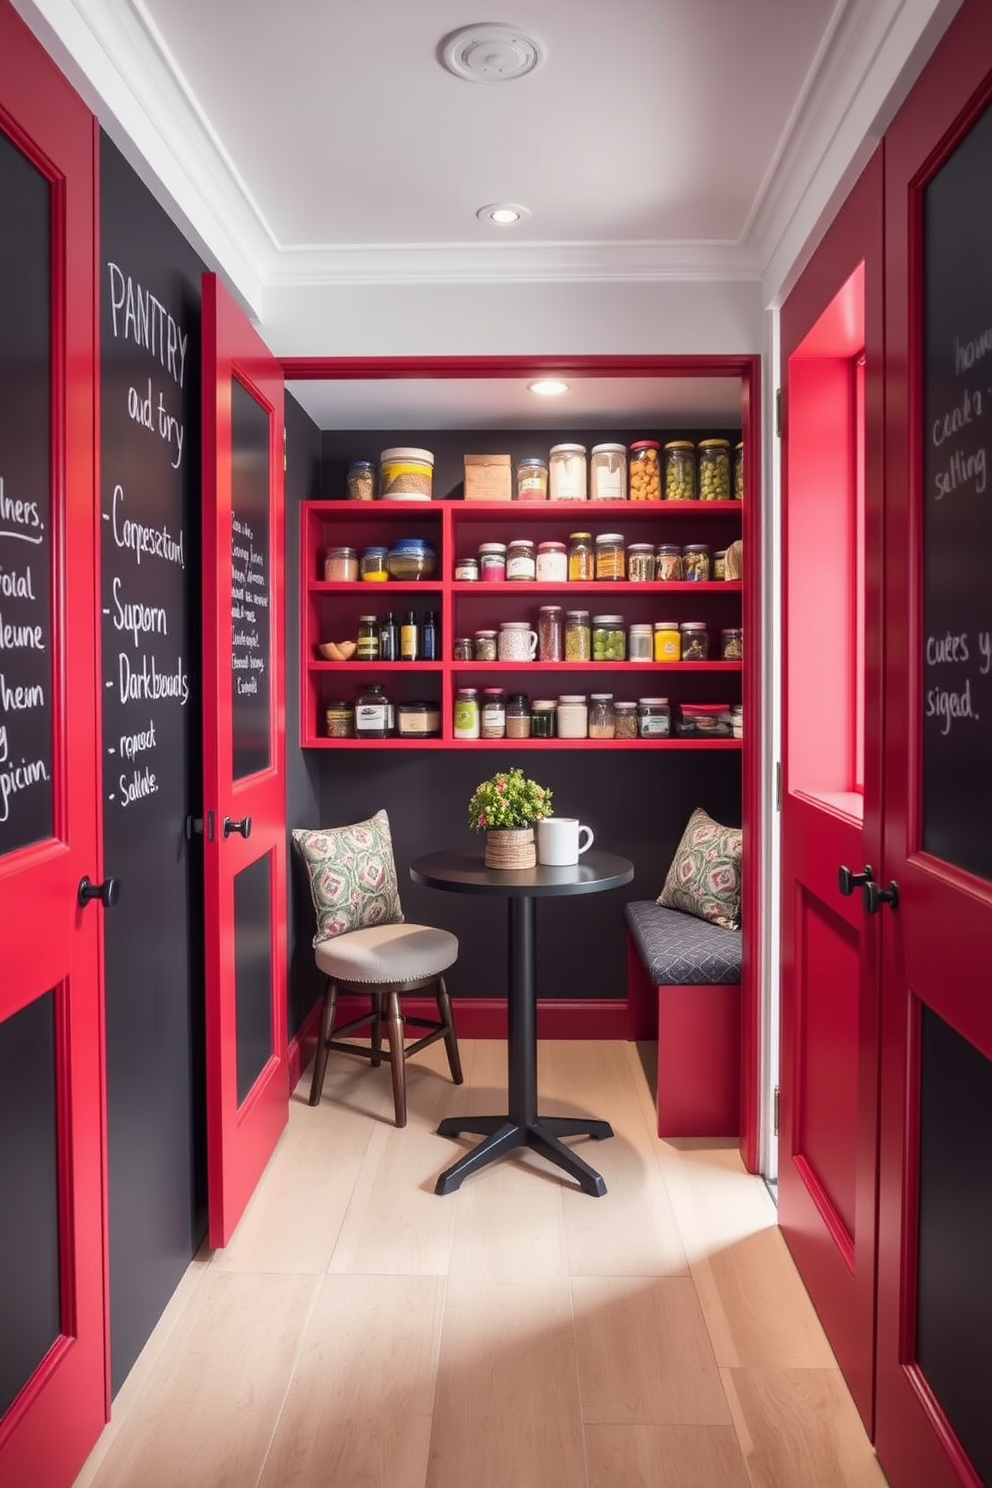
488,478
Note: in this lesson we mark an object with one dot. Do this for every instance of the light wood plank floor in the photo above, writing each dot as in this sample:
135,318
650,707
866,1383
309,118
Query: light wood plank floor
360,1332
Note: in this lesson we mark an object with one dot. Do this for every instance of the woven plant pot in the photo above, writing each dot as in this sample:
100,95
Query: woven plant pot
510,847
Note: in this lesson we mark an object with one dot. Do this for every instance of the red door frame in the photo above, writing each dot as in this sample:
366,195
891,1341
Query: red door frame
940,907
46,940
748,370
240,1137
836,1257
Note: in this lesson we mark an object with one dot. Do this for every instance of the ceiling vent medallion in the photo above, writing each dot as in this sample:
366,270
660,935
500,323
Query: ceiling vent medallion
490,52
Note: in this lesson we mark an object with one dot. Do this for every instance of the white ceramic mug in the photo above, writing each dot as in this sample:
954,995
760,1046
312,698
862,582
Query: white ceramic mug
558,840
516,641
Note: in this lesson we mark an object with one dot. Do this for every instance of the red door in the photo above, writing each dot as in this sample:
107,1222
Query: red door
53,1382
935,1295
832,349
244,756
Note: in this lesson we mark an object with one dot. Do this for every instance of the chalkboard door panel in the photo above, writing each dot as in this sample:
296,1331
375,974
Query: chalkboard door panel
832,344
54,1399
244,756
937,987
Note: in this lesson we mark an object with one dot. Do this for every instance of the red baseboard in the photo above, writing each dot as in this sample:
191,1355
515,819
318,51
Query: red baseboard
301,1045
484,1018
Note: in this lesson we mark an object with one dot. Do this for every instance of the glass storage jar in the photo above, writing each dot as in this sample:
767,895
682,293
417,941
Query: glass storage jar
373,565
608,472
406,472
410,558
492,561
520,560
466,570
625,720
640,643
418,720
550,633
340,565
696,562
368,638
610,556
361,481
667,640
714,470
542,718
602,723
567,467
573,716
668,562
581,562
732,643
463,649
640,563
484,645
680,470
492,713
644,475
517,716
609,640
552,563
340,720
720,564
578,640
738,472
466,713
532,479
373,714
654,718
695,640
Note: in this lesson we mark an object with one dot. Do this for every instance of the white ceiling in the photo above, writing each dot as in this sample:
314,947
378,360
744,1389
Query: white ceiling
306,145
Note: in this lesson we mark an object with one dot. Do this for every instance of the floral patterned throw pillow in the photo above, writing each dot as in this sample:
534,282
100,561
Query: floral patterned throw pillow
352,876
705,877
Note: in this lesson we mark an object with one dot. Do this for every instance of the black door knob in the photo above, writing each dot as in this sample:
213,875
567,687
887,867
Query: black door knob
875,897
107,892
243,826
849,881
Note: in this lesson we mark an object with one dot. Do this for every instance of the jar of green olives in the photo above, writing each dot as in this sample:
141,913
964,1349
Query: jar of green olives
609,639
680,470
714,470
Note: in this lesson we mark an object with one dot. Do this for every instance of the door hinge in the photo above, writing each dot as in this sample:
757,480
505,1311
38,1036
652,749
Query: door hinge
778,785
775,1111
778,412
285,459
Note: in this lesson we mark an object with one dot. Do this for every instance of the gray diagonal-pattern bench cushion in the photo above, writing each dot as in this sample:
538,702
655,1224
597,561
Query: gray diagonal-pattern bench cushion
680,950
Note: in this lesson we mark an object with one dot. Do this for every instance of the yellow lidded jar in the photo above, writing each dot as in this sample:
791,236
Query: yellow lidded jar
714,470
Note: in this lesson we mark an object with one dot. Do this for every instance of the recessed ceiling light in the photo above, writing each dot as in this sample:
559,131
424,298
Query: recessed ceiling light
548,387
503,214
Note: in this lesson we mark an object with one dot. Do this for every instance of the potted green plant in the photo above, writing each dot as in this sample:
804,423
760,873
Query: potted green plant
506,807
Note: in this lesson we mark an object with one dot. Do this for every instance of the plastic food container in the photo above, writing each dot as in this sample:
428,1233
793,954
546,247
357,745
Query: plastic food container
410,558
654,718
667,640
406,472
704,721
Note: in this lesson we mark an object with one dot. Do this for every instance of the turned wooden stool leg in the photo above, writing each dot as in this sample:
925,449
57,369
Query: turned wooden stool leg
326,1024
397,1057
376,1025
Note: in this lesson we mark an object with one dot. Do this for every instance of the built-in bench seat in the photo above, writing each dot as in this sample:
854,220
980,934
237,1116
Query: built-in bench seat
690,972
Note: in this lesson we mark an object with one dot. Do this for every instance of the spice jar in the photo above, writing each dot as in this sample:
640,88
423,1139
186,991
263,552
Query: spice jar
373,565
640,643
466,713
492,561
720,564
696,562
654,718
373,714
695,640
645,470
550,633
738,472
551,563
668,562
714,470
578,640
463,649
484,645
602,724
418,720
340,718
732,643
492,713
361,481
567,472
640,563
581,564
466,570
608,472
542,718
667,640
368,638
341,565
680,470
520,561
573,716
610,556
625,720
532,480
609,641
517,716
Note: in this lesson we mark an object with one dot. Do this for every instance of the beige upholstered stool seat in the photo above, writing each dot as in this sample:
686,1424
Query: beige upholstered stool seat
387,953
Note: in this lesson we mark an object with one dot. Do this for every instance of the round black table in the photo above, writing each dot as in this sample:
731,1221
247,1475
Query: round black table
466,873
